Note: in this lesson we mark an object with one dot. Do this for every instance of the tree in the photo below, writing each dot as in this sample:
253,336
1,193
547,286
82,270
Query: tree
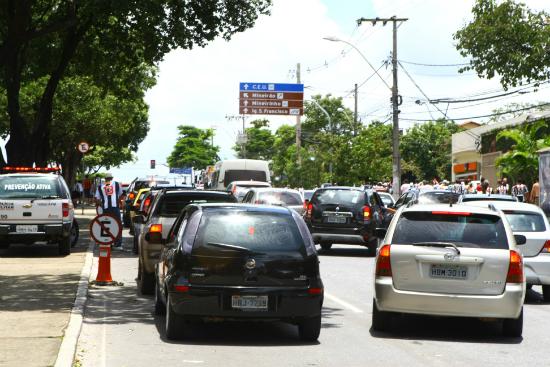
260,141
193,148
372,153
521,162
108,40
506,39
428,146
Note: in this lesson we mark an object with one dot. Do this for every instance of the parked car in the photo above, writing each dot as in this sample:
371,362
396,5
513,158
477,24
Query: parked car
346,215
447,260
486,197
138,199
36,207
281,197
530,221
240,188
427,197
144,210
164,210
132,191
239,262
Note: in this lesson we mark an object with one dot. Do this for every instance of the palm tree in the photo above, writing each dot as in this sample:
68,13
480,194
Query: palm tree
521,162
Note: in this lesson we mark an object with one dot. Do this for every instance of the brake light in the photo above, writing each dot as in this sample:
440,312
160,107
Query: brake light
515,269
366,212
181,288
451,213
65,209
383,263
131,196
315,291
155,228
147,202
546,248
309,210
305,204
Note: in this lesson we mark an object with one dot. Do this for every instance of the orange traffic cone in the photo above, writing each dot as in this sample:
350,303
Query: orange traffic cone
104,269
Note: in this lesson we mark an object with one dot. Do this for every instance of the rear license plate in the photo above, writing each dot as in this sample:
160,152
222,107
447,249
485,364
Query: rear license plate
336,220
249,302
26,228
449,271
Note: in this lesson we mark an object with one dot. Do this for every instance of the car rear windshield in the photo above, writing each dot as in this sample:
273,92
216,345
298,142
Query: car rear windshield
231,230
29,186
172,204
331,196
243,175
488,198
386,199
461,229
280,198
438,198
525,221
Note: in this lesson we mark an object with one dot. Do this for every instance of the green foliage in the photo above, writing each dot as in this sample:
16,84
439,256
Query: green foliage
372,153
508,40
428,146
260,142
521,162
193,148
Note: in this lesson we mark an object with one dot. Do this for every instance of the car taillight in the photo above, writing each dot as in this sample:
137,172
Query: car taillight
315,291
546,248
181,288
366,212
155,228
306,202
131,196
383,264
515,269
309,210
65,209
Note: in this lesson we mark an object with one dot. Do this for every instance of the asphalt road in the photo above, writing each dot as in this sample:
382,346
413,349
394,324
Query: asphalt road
120,329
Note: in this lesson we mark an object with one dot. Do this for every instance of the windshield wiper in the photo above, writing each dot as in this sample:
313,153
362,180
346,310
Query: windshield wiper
438,244
229,247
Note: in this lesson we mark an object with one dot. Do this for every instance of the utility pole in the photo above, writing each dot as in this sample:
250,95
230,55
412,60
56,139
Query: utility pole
395,99
298,126
245,139
355,113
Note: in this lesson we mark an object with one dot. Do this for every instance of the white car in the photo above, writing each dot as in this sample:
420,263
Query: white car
447,260
36,207
530,221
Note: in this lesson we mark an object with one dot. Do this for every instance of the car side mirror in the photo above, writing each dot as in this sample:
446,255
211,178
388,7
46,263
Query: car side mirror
380,232
138,219
520,239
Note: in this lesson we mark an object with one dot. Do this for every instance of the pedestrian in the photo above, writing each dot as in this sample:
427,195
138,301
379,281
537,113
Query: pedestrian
78,190
535,193
471,189
109,195
506,186
87,187
520,191
405,187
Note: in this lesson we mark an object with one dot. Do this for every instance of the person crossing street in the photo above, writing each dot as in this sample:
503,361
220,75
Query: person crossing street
109,195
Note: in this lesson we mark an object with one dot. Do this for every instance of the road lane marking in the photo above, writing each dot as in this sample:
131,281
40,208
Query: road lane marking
343,303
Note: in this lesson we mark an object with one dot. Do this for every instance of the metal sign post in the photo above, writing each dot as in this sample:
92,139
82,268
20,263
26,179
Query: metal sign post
105,229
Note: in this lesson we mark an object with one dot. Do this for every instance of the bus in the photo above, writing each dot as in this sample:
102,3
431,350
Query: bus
231,170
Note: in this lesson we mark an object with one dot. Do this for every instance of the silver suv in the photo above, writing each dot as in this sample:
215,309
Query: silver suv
450,261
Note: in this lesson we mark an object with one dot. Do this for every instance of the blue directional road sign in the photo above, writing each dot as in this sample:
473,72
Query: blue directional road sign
182,171
271,87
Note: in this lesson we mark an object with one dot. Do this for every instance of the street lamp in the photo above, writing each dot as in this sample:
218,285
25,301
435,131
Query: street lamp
330,129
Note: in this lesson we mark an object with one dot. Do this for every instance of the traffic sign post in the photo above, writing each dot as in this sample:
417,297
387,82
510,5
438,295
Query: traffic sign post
271,99
104,230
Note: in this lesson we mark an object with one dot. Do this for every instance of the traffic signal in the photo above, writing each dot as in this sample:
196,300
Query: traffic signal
153,164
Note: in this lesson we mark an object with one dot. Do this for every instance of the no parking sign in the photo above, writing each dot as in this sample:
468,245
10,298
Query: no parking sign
105,229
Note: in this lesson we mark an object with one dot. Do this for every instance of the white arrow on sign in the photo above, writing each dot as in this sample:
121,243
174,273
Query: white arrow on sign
246,86
245,110
245,103
245,95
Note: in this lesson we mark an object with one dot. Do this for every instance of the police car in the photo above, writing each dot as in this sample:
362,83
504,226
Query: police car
35,205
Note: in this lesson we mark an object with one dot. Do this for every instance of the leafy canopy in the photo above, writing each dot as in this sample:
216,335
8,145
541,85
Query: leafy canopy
193,148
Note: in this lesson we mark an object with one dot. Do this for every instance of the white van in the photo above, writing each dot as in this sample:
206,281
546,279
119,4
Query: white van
228,171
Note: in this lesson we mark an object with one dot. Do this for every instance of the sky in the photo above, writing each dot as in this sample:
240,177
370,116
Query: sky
200,87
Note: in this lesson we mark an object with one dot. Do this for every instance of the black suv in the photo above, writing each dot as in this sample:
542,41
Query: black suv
346,215
239,262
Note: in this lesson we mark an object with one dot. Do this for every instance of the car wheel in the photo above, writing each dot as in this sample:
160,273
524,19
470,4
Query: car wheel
326,246
546,293
309,329
65,246
380,320
135,247
74,234
147,281
513,328
174,322
160,307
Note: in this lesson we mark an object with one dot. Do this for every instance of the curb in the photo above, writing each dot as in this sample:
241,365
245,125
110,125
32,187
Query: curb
67,351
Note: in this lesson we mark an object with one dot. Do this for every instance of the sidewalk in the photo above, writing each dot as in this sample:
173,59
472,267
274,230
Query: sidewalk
37,293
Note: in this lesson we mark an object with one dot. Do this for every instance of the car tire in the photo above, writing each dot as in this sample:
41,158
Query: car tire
74,233
546,293
160,307
65,246
174,322
310,328
380,320
326,246
146,281
513,328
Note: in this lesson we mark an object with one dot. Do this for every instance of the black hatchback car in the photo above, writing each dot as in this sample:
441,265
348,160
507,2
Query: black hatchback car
239,262
346,215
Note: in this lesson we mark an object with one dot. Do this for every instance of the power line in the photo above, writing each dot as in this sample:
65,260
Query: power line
434,65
